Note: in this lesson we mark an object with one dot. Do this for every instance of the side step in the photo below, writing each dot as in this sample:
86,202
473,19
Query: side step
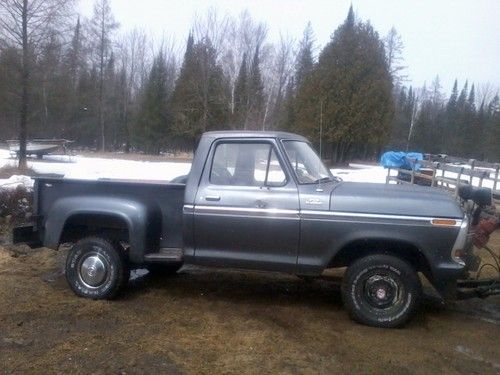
165,255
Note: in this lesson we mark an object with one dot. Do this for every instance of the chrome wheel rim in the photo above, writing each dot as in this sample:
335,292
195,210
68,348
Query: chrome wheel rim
382,291
93,270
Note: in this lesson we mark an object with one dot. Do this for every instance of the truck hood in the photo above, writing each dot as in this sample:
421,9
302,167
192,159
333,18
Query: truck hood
394,200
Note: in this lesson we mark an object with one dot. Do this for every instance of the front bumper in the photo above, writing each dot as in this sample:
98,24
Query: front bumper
27,235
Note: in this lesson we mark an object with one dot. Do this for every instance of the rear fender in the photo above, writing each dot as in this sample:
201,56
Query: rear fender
142,219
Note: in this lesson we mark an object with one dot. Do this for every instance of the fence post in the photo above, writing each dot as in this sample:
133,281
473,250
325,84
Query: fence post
472,163
434,171
457,184
495,182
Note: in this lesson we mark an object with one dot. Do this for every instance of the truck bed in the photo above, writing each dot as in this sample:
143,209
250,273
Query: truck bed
167,197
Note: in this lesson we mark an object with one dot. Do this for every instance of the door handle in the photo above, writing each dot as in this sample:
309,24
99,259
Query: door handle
212,198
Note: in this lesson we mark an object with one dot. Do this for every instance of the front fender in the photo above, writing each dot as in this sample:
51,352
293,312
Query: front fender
322,240
385,235
143,220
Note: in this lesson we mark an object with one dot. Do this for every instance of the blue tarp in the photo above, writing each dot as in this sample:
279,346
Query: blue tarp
399,159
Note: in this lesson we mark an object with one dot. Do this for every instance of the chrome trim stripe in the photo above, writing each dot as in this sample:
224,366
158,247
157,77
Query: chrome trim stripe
277,213
274,213
188,209
312,214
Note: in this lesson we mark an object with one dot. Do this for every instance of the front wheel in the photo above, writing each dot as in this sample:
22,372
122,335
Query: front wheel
381,291
96,268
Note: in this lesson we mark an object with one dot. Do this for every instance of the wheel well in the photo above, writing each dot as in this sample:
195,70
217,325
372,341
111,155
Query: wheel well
109,226
360,248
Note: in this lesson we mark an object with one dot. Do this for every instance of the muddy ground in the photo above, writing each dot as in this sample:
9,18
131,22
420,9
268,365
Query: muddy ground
224,322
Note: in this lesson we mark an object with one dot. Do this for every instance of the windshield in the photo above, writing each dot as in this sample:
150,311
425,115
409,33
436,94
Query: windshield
306,164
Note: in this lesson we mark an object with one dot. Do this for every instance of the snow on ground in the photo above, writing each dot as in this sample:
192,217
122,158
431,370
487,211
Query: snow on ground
361,173
80,167
94,168
15,181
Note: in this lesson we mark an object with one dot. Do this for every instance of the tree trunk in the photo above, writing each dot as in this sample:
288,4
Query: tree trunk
23,124
365,151
335,153
101,92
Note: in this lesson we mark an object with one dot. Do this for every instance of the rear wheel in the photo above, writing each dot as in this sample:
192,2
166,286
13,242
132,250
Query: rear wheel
96,268
381,291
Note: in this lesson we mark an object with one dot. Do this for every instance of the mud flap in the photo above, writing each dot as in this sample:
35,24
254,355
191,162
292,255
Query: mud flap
27,235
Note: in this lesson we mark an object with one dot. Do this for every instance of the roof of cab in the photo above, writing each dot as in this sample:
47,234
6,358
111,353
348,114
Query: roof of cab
254,134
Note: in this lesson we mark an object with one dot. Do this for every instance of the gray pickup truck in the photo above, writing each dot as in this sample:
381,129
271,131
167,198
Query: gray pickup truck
263,201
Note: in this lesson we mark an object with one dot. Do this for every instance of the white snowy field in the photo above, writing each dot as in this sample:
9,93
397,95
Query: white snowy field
91,168
81,167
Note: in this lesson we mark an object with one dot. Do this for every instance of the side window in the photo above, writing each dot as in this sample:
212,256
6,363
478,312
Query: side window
246,164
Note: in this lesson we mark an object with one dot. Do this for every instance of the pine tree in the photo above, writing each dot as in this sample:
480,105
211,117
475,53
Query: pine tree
428,126
255,94
154,125
471,100
352,85
287,120
200,100
462,98
451,121
452,101
305,63
74,58
401,121
493,130
241,96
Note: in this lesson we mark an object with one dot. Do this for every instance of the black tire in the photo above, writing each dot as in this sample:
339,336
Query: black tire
381,291
164,269
96,268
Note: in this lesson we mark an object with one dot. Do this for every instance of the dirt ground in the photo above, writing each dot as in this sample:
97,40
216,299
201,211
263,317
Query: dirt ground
223,321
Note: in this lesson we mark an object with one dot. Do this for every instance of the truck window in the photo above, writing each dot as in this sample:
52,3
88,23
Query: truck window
306,164
246,164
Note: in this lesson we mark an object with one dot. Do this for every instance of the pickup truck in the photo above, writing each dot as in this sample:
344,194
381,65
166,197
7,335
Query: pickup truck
264,201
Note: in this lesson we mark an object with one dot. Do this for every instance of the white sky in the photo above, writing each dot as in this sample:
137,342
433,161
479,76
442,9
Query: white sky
452,38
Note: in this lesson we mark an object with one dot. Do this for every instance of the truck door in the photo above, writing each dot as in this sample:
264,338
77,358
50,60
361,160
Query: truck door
246,208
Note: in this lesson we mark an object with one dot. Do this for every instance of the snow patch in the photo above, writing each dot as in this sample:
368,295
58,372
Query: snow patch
361,173
14,181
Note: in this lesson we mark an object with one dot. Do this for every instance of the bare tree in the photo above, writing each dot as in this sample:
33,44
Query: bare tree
212,27
102,26
394,54
485,93
133,59
24,25
277,74
244,35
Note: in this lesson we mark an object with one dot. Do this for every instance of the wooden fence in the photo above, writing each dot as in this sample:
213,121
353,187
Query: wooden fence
449,172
